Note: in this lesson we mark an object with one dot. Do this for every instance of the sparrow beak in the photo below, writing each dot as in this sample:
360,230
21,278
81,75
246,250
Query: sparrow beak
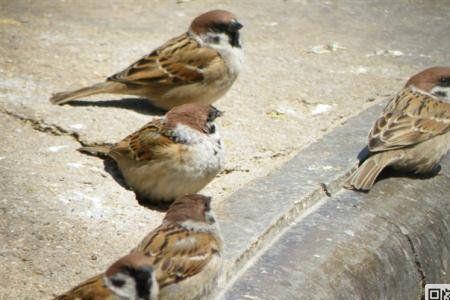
235,26
214,113
219,113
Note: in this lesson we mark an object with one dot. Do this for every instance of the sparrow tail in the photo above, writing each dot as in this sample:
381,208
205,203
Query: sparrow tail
364,176
100,150
99,88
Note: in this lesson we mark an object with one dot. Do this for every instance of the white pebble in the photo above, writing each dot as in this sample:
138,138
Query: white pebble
74,165
55,149
77,126
349,232
321,108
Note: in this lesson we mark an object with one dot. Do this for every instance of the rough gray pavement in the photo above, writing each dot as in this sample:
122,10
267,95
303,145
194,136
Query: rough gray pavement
315,240
310,66
384,245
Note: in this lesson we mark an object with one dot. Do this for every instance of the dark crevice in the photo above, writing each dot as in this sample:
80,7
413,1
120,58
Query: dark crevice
423,280
417,262
41,126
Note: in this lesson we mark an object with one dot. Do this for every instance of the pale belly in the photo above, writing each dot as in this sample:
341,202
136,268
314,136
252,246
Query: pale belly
424,157
168,179
199,93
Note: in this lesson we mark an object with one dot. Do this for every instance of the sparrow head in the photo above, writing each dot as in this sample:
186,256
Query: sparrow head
132,277
217,25
434,80
200,117
194,207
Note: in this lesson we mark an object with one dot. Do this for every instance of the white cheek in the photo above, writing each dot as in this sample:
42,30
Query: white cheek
128,290
441,92
233,56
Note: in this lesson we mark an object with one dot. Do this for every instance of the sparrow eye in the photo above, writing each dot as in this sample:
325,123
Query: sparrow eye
220,27
216,39
208,204
117,282
444,81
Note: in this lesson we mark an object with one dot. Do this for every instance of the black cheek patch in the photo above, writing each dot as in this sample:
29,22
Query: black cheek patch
234,39
143,279
441,94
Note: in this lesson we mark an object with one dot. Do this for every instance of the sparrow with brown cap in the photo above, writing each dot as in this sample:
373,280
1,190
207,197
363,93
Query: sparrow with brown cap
186,248
171,156
132,277
179,260
413,133
198,66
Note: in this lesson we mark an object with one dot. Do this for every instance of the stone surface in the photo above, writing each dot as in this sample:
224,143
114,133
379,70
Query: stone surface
255,213
379,245
63,217
271,111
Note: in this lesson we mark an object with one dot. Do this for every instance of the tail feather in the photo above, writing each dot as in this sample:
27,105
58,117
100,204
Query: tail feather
363,178
100,150
103,87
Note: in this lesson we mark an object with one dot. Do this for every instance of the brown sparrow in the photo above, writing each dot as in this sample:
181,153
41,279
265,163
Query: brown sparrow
131,277
186,249
413,133
171,156
198,66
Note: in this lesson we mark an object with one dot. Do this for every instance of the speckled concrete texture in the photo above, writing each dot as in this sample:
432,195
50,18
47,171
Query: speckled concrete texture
383,245
310,66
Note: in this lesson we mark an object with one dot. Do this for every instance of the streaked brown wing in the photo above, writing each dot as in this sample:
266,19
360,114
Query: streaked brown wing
145,144
91,289
410,118
179,61
178,253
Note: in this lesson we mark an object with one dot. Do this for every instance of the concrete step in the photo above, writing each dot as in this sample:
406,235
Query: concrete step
286,239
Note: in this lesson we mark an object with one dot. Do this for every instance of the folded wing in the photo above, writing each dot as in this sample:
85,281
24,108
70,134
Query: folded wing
410,118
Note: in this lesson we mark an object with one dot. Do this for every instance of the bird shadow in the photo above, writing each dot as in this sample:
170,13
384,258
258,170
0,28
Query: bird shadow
140,105
110,166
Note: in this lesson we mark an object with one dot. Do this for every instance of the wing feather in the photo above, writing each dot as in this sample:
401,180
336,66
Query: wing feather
147,143
410,118
178,253
179,61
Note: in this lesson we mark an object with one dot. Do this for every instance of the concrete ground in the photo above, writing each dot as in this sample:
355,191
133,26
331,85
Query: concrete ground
310,65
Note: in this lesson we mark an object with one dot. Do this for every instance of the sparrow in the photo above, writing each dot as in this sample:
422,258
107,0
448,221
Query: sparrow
171,156
186,249
132,278
198,66
413,132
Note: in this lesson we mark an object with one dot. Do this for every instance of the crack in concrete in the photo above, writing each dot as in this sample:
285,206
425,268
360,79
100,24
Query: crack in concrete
417,261
40,125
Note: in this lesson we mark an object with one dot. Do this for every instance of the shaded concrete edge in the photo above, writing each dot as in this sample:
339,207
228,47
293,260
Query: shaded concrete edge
254,217
383,245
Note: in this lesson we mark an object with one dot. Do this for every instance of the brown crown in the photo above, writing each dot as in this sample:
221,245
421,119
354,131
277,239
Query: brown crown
189,207
429,78
208,20
132,261
193,115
